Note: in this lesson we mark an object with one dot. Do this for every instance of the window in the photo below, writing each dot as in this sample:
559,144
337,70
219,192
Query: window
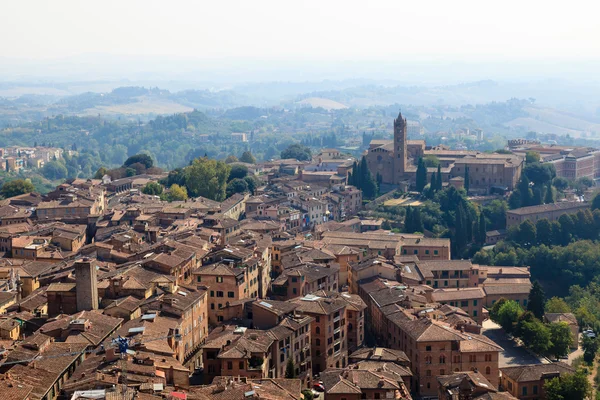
199,278
219,279
377,396
212,306
464,303
212,293
428,372
426,251
428,360
524,390
318,330
317,342
474,303
294,279
219,293
488,370
435,252
219,318
318,319
535,389
220,305
442,360
474,313
229,365
294,290
231,295
442,372
415,251
427,348
445,283
241,366
488,357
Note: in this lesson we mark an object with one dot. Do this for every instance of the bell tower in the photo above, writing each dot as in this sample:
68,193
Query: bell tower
399,148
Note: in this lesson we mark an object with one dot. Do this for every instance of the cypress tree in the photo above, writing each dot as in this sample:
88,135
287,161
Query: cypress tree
525,191
433,184
421,178
460,228
417,222
482,229
537,300
467,179
438,179
549,198
408,220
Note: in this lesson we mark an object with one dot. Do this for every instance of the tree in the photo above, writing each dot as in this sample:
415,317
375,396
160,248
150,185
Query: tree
298,152
561,184
507,315
141,158
252,183
540,174
557,305
421,178
536,336
481,230
417,221
177,193
532,157
290,370
236,185
467,182
238,172
153,188
575,386
100,173
247,157
527,234
596,202
207,178
54,170
549,198
543,228
561,338
231,159
590,348
537,300
432,185
525,191
431,161
408,220
16,188
438,179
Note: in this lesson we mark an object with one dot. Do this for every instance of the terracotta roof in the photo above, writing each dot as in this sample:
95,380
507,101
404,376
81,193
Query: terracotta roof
535,372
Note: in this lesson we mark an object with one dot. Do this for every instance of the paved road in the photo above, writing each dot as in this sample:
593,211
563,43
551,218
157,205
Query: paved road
513,354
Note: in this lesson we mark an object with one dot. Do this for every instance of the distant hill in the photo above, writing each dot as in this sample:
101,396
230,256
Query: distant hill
327,104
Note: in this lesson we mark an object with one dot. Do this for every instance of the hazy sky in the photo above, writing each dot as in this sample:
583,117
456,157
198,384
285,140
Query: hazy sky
309,32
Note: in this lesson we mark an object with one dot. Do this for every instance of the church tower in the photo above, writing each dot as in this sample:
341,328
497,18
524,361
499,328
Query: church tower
399,148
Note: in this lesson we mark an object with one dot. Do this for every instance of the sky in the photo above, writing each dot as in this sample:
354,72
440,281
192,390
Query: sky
325,38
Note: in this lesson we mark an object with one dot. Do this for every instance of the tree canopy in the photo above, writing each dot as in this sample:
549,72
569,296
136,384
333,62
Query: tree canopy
16,188
298,152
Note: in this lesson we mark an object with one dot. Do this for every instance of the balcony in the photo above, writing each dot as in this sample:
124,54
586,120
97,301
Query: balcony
336,319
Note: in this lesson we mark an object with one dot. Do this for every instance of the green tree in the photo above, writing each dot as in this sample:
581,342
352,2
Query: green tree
238,172
549,197
481,230
543,229
537,300
527,234
431,161
575,386
421,178
236,185
141,158
247,157
532,157
298,152
290,370
177,193
16,188
100,173
54,170
417,221
540,174
252,183
467,179
557,305
207,178
507,315
596,202
438,179
153,188
536,336
561,338
561,184
408,220
525,191
590,348
231,159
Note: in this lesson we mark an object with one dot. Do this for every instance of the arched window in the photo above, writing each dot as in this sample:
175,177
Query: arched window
318,342
349,327
318,330
428,360
488,370
442,359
